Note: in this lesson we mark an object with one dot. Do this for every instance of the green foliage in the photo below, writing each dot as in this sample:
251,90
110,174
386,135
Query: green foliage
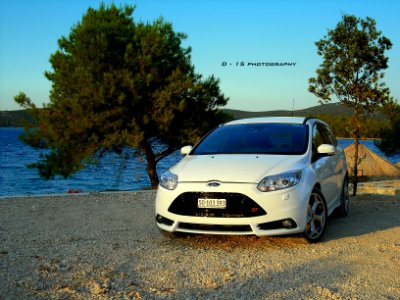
118,83
352,69
390,142
342,126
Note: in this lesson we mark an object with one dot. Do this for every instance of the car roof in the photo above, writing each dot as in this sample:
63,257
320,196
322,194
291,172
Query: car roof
285,120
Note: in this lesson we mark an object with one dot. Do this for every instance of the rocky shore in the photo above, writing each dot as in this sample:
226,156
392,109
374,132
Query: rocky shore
107,246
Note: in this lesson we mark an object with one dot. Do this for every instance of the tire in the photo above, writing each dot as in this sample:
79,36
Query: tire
343,209
316,217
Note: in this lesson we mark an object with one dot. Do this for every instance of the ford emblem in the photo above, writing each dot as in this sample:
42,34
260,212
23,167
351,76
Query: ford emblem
213,184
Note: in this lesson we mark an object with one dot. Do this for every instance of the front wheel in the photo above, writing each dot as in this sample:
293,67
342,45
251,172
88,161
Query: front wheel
316,217
343,209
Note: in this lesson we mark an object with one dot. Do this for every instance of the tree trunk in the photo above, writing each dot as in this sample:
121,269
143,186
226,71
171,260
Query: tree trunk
151,164
356,134
355,166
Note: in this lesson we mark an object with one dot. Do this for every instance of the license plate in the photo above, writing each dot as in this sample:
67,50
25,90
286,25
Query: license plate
211,203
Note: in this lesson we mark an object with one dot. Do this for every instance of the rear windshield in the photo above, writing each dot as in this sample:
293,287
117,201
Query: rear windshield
263,138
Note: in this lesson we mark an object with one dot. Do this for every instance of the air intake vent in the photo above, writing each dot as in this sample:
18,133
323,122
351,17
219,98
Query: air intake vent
237,206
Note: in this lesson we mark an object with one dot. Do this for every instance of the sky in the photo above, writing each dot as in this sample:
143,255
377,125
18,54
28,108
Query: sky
237,41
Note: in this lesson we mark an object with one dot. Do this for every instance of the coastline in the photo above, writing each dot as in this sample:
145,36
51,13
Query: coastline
76,194
107,246
361,139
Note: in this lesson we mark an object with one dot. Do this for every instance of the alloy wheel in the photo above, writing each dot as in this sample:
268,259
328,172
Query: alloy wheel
316,217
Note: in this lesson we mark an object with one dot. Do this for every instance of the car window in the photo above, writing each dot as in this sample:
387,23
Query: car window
263,138
331,136
322,135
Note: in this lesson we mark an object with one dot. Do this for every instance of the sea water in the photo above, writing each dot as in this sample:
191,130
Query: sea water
115,173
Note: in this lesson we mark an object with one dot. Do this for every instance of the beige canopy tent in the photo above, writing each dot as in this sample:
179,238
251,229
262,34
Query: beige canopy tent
371,165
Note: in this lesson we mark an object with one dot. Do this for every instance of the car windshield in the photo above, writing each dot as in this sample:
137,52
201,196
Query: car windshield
260,138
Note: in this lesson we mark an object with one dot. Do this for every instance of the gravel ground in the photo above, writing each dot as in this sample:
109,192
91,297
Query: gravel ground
107,246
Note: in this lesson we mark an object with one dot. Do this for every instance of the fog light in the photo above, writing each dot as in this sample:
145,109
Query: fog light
162,220
287,223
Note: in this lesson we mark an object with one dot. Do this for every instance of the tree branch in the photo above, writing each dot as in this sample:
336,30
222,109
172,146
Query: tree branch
165,153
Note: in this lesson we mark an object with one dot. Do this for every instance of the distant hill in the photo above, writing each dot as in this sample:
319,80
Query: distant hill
18,118
330,109
14,118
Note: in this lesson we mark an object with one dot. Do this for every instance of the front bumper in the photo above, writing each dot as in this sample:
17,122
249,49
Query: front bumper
275,213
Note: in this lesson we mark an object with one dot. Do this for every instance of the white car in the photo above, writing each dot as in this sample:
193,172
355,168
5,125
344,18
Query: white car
261,176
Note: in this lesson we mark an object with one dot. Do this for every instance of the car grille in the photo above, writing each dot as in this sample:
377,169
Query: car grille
237,206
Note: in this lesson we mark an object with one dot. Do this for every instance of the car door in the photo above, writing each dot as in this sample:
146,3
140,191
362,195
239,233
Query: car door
327,167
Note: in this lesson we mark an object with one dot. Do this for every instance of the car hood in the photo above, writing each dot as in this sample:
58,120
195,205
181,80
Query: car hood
235,168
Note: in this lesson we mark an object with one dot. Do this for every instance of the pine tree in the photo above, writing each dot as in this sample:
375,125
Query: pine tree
118,83
352,69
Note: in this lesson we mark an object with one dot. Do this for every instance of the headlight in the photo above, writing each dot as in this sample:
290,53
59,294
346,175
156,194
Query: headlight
169,180
280,181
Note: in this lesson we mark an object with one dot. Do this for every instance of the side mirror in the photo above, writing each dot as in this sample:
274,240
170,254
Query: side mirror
326,149
186,150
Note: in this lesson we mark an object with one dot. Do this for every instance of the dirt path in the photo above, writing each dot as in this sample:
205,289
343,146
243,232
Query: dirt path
106,246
